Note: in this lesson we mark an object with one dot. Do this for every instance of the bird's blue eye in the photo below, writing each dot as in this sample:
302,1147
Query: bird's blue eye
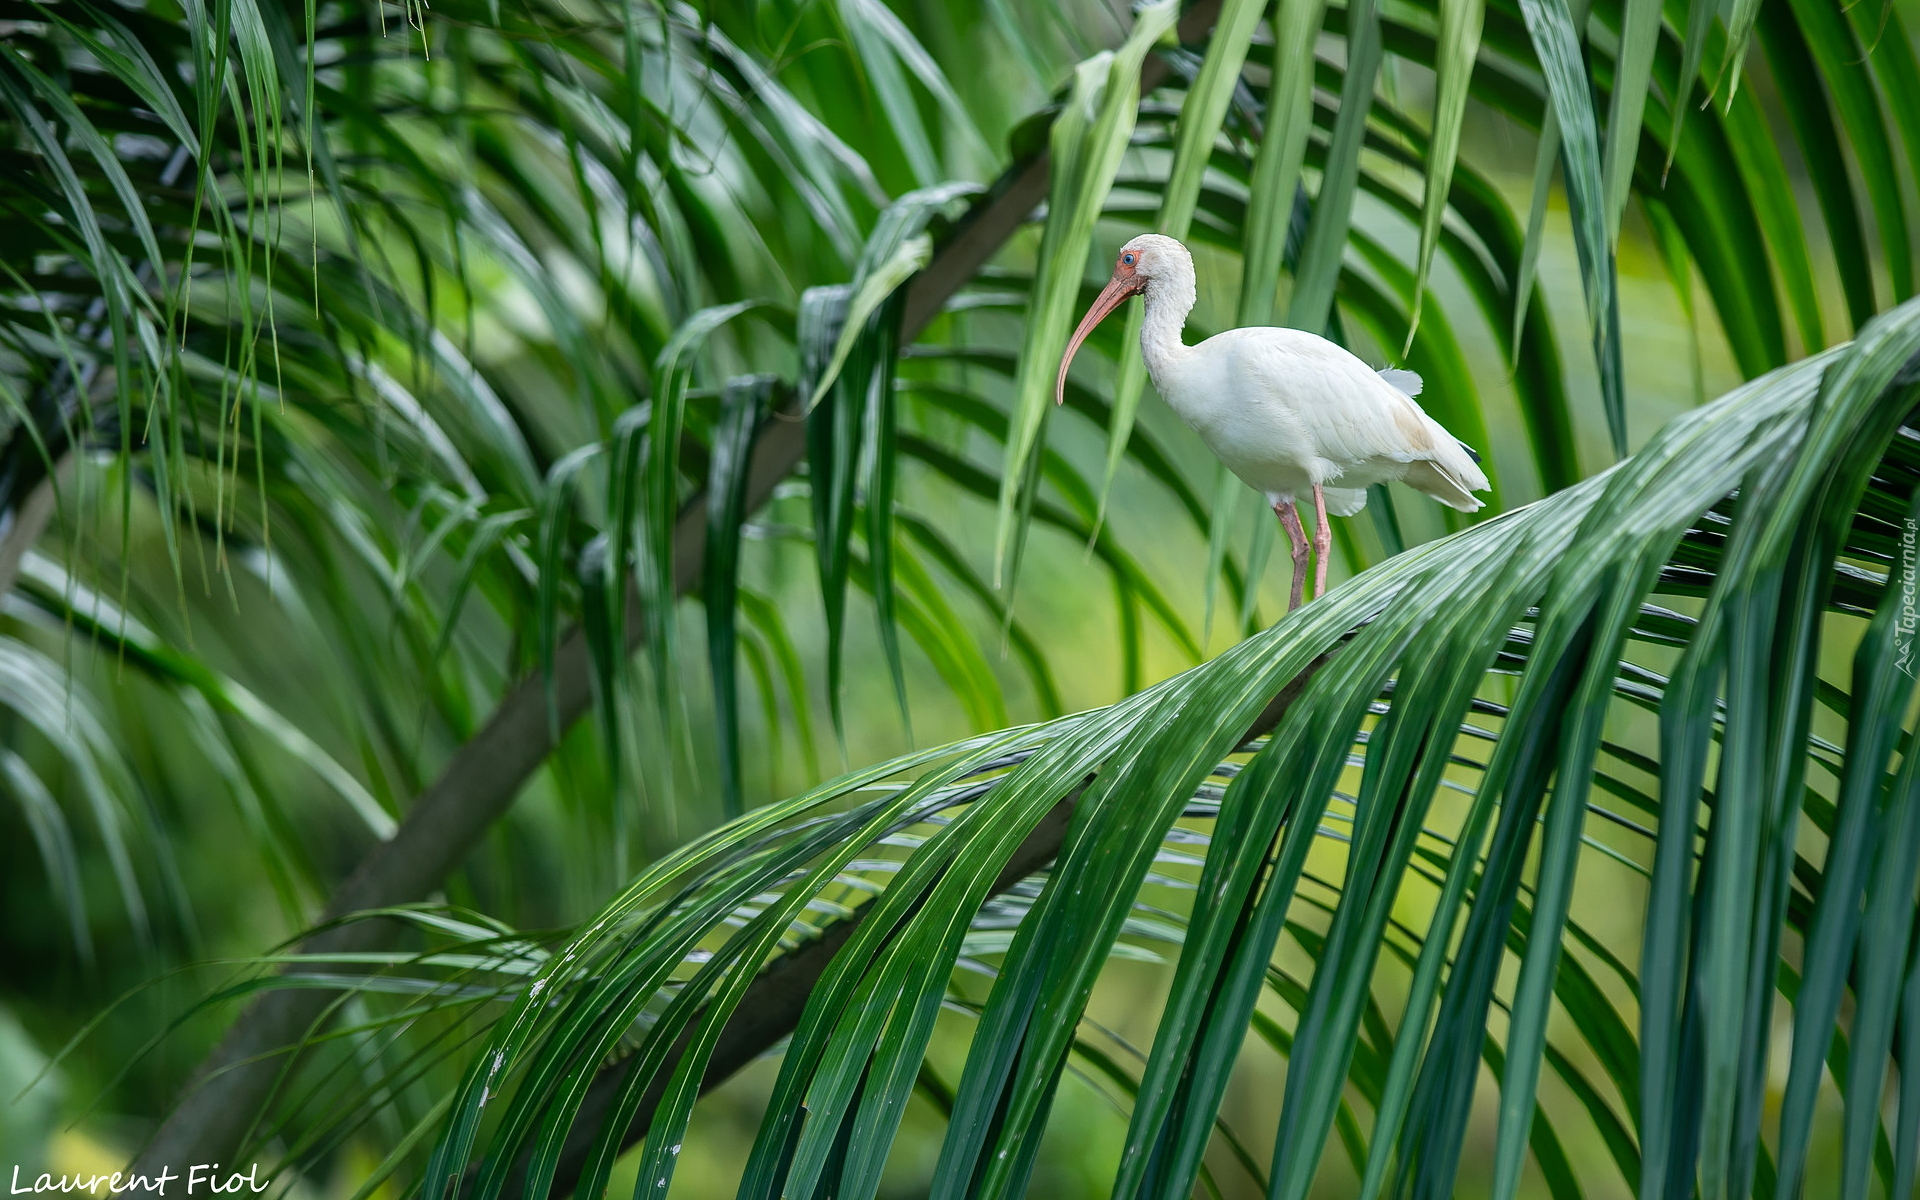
1127,258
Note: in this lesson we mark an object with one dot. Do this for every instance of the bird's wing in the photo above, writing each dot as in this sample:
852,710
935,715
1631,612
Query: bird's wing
1350,413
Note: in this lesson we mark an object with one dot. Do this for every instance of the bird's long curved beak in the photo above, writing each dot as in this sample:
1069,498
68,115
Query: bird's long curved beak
1111,297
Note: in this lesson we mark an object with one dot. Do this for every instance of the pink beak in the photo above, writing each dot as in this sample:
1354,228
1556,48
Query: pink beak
1111,297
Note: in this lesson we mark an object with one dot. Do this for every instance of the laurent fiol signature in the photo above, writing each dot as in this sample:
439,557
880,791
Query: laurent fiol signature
201,1179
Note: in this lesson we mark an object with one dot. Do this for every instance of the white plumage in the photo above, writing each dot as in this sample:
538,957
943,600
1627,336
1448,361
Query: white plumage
1290,413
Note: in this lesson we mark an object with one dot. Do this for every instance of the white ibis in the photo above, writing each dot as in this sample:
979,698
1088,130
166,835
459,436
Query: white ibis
1287,411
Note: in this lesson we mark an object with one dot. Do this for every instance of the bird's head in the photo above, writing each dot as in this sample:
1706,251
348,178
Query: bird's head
1146,259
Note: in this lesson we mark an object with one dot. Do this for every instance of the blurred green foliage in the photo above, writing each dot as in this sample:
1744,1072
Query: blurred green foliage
357,360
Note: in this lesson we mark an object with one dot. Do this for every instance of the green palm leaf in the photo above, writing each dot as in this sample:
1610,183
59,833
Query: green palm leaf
1557,592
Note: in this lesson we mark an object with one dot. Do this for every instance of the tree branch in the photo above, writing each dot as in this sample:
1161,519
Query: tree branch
233,1085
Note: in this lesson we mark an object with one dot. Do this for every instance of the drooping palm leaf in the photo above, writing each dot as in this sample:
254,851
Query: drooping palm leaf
1566,599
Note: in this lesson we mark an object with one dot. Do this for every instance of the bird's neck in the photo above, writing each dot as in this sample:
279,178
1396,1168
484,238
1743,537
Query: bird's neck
1168,300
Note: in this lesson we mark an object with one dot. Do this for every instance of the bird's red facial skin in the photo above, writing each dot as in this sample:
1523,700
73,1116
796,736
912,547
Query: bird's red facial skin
1126,282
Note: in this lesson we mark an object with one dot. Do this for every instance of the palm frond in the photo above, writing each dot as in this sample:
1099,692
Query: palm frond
1545,624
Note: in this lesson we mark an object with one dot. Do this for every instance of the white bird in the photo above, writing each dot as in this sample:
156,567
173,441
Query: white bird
1287,411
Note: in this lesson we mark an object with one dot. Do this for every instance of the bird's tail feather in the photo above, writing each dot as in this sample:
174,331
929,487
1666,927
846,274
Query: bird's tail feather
1440,483
1450,476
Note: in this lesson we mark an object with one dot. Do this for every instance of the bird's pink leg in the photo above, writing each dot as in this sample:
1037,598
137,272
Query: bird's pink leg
1297,539
1322,543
